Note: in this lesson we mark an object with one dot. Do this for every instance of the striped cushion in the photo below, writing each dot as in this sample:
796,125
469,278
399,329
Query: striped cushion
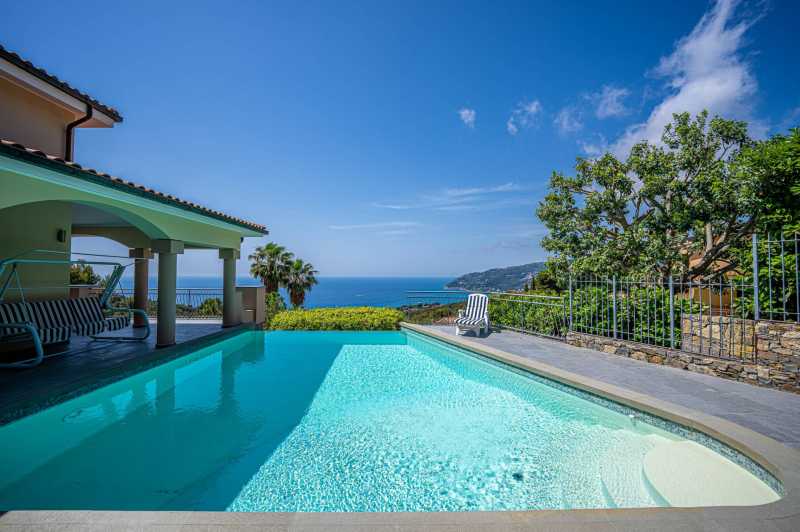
89,329
51,314
14,313
469,321
476,307
54,335
86,310
117,322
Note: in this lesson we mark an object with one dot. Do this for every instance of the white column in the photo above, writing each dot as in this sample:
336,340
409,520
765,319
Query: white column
168,251
231,311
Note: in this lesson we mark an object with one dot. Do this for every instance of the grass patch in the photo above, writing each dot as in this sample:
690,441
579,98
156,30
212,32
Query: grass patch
338,319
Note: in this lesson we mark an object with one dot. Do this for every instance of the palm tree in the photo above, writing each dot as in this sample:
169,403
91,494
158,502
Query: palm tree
302,276
270,263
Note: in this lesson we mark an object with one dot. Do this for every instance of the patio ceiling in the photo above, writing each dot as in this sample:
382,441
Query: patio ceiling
108,206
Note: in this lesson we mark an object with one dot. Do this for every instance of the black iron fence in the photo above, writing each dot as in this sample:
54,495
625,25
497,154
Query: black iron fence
190,303
713,317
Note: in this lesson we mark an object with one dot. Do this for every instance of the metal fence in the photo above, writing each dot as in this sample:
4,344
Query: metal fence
775,265
711,317
190,303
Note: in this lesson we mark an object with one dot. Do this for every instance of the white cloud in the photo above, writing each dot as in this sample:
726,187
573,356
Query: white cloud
465,198
594,148
467,116
523,116
705,71
609,101
568,120
506,187
384,226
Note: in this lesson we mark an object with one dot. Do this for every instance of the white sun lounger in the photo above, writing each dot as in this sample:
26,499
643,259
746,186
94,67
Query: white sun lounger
475,317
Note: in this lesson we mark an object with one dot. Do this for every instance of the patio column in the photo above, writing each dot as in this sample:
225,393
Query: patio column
168,251
231,313
141,273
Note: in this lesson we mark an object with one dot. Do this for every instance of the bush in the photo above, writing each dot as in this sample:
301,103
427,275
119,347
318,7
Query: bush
338,319
273,304
426,315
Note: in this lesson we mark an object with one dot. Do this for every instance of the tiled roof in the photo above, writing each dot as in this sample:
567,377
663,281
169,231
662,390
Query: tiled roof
18,151
55,82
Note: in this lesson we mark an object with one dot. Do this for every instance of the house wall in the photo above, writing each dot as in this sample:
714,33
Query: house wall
31,120
35,226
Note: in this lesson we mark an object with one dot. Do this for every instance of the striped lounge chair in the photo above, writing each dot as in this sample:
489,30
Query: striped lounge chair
56,320
19,326
475,317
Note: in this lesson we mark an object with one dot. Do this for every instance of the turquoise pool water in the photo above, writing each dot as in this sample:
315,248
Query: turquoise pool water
329,421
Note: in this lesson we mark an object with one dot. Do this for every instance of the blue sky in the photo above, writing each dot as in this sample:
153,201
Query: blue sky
398,138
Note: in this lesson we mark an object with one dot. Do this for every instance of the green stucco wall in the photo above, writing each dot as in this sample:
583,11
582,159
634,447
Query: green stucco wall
35,226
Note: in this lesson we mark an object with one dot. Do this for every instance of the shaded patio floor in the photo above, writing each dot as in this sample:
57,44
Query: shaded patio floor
770,412
93,362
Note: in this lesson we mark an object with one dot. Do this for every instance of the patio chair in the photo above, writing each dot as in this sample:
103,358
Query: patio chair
475,317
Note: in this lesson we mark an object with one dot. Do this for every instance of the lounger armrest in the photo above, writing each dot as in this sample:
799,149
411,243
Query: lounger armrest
27,325
135,312
461,313
37,344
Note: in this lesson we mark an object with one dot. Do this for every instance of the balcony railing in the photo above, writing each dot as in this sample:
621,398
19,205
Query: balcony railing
190,303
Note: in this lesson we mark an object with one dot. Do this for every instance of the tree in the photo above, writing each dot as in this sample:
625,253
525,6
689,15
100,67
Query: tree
650,213
210,307
273,304
83,274
301,277
270,263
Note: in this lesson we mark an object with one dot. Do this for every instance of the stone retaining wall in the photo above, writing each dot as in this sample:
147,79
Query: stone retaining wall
775,364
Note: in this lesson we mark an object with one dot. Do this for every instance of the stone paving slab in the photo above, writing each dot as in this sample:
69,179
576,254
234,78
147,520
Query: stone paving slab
771,412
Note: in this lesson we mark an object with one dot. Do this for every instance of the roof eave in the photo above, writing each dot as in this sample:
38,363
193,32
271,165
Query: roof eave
38,158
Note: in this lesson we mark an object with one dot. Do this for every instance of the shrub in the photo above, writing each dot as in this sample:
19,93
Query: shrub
273,304
338,319
426,315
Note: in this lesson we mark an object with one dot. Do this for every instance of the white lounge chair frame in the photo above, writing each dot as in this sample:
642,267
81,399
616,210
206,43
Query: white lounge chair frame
475,317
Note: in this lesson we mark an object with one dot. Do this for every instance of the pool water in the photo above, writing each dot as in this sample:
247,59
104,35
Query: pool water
340,421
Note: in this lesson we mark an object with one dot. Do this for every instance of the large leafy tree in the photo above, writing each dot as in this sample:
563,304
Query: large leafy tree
271,263
665,203
301,277
83,274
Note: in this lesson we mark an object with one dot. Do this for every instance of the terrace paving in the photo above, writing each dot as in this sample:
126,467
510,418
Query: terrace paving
771,412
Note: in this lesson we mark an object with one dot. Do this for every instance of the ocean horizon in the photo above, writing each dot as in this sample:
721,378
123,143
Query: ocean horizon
334,291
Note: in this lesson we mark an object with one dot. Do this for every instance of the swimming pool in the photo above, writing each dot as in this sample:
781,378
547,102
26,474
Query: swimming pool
341,421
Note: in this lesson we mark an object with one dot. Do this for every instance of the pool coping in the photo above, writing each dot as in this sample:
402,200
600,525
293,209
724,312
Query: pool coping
780,460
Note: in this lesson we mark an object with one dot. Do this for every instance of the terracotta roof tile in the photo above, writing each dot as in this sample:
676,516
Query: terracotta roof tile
55,82
33,155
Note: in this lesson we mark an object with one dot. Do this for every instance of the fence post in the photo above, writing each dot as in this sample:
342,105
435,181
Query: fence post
756,310
614,303
570,302
671,314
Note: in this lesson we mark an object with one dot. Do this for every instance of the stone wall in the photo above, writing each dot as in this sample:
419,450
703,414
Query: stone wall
774,364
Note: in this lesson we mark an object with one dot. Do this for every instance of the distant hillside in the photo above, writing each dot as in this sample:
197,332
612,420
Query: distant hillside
498,279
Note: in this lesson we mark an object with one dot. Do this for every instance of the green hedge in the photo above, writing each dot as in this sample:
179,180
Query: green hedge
338,319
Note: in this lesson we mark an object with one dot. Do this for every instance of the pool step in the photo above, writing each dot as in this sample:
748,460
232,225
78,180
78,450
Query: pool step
686,473
622,481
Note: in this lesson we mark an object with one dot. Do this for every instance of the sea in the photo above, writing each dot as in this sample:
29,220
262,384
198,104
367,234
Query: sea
347,291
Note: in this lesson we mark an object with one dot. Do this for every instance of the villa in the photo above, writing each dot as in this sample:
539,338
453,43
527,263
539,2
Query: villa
48,198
